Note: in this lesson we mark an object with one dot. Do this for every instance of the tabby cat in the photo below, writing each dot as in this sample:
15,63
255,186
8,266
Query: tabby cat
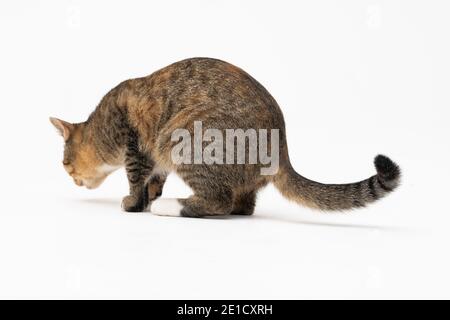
133,124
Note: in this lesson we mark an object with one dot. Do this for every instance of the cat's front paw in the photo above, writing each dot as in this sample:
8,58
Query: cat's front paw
154,192
133,204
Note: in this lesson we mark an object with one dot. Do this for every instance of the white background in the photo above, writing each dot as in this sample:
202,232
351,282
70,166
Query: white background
353,78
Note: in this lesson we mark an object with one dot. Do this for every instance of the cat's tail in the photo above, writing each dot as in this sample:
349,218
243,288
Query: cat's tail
339,196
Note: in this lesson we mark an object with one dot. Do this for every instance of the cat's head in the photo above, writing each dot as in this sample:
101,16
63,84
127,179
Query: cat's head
81,160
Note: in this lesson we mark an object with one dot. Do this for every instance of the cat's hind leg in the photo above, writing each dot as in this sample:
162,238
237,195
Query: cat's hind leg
195,206
166,207
212,188
244,203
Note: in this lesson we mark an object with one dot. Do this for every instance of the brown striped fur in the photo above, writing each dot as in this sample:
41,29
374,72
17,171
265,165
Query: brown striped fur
132,127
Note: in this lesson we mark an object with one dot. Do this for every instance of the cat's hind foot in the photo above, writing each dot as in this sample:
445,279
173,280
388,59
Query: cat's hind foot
166,207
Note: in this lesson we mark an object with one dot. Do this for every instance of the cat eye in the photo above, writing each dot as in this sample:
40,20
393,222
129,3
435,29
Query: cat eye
68,167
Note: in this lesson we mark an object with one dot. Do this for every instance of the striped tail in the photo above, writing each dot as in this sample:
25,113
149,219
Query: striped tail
339,196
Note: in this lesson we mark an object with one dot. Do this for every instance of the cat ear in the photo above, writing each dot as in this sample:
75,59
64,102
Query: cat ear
64,128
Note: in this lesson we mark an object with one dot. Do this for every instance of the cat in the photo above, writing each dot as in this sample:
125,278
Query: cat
133,124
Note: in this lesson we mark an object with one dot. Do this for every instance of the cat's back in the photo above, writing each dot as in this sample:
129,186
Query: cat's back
201,74
212,91
211,88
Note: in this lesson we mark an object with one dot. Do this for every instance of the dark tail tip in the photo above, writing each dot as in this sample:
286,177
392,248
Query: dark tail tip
387,169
